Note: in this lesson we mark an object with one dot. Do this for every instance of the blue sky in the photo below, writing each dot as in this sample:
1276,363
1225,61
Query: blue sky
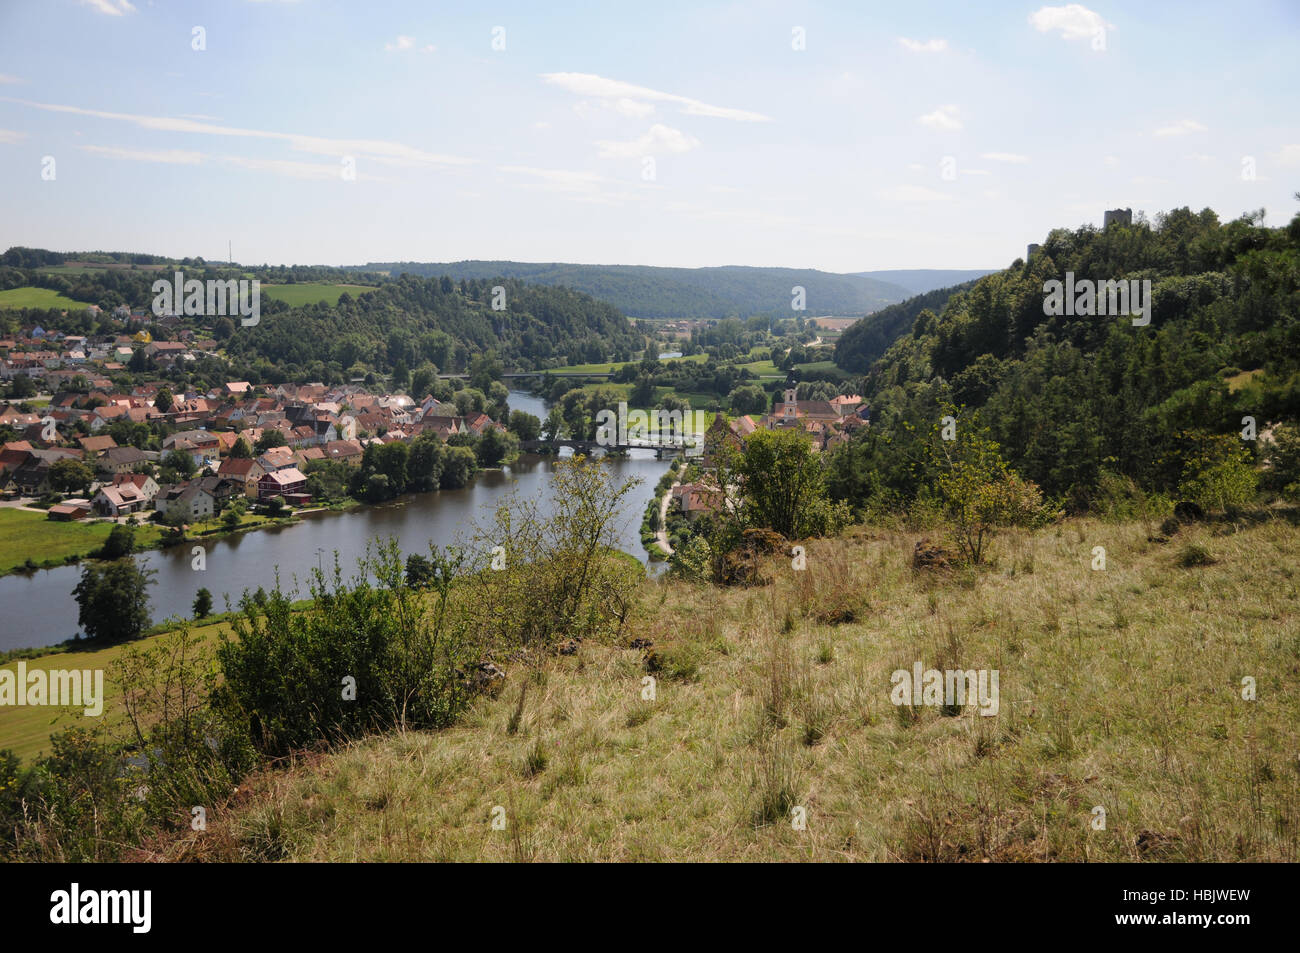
901,135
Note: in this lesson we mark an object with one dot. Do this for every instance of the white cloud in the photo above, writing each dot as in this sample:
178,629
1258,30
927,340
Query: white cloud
1289,155
401,44
587,187
633,108
112,8
945,117
913,193
6,78
659,138
1072,21
929,46
1111,161
168,156
11,135
599,87
390,153
315,171
1181,128
1012,157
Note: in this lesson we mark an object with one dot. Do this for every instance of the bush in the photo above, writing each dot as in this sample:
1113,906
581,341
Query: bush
365,656
1218,474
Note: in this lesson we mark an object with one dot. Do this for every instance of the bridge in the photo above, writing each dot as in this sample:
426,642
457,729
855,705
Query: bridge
589,447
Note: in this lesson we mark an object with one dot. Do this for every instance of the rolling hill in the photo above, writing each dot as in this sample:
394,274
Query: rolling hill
642,291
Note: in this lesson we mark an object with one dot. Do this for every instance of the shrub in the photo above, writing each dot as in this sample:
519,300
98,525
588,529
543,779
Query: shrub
365,656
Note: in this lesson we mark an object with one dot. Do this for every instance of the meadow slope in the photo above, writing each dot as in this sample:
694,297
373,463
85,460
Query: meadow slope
1119,688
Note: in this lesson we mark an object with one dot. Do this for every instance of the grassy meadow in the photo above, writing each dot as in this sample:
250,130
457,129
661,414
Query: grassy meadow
312,292
26,730
25,535
1120,688
43,298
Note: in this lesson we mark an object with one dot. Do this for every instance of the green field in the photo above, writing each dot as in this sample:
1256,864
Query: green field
28,297
26,730
312,293
828,368
25,535
764,369
612,366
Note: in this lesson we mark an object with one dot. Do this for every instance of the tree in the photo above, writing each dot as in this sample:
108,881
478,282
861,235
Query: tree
494,447
202,604
1218,474
458,467
22,387
270,438
120,542
113,601
419,571
424,463
164,401
747,399
181,462
783,485
241,450
524,425
979,491
69,475
422,381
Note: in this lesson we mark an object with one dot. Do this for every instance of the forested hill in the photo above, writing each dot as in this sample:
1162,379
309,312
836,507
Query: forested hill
1073,398
413,320
643,291
864,342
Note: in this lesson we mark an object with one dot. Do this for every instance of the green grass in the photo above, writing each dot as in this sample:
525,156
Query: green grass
1239,381
611,366
25,535
764,369
28,297
26,730
312,293
1118,688
821,367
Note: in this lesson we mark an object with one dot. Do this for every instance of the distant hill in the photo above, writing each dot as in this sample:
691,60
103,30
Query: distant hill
642,291
920,280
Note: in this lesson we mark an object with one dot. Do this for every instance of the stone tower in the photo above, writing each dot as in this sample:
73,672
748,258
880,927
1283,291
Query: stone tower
1118,216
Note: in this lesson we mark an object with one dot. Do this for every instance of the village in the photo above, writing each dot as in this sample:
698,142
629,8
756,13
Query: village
828,423
88,448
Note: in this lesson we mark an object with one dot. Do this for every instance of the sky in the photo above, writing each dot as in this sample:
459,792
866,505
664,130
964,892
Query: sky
842,136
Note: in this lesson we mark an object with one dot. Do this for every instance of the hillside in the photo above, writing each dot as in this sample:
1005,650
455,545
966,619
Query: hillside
1078,401
862,343
920,280
648,292
1119,689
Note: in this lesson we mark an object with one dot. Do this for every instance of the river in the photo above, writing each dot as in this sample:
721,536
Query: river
39,610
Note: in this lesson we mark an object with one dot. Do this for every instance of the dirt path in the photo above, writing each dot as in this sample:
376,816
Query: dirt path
661,537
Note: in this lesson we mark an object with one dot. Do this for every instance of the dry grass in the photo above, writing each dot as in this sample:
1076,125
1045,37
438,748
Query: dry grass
1119,688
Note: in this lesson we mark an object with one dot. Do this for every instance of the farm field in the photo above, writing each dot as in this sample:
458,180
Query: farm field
310,293
28,297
